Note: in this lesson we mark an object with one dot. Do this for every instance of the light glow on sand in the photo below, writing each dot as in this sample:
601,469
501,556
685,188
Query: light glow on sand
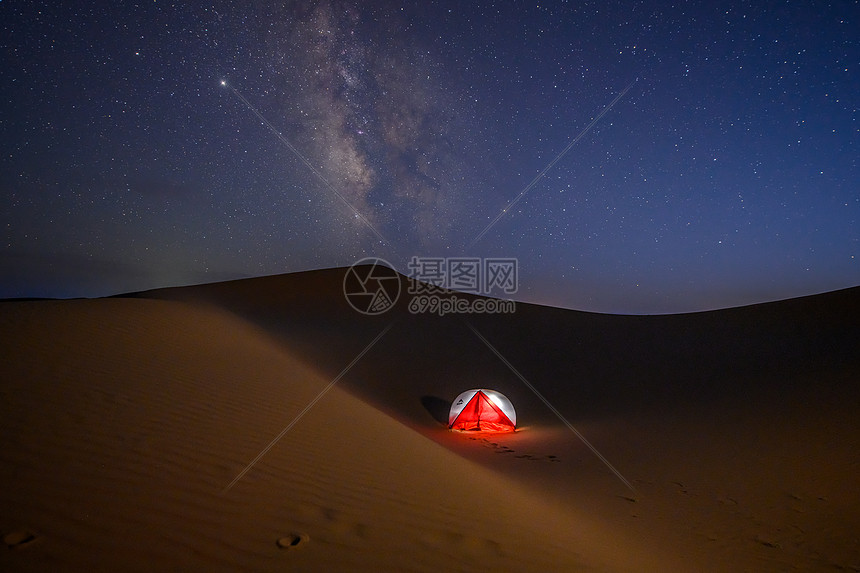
553,409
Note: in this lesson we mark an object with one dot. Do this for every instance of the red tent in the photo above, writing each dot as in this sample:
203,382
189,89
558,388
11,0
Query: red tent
482,410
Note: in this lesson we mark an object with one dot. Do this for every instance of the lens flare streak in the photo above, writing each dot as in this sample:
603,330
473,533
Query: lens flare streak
304,160
550,165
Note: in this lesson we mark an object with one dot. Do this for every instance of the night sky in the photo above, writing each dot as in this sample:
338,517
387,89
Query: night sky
155,144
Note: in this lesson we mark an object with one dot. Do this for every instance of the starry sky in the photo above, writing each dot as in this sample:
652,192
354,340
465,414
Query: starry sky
155,144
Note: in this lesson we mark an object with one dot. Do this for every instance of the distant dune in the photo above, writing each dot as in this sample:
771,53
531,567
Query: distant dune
127,421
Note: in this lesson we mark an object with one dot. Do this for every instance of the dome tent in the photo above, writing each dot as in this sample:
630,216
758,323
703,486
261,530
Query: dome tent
482,410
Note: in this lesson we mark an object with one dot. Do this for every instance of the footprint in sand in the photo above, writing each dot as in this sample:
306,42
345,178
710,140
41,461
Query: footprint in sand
19,539
549,458
333,520
471,545
293,541
768,543
480,546
681,487
497,447
503,449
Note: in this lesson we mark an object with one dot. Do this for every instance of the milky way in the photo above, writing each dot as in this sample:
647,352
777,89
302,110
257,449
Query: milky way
726,174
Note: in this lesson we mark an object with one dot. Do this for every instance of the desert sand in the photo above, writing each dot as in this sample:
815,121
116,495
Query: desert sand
126,422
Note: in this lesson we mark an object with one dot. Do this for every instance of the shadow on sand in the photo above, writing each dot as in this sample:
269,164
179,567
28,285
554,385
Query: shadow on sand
437,407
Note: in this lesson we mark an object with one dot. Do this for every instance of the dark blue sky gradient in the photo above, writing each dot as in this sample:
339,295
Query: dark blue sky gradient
726,175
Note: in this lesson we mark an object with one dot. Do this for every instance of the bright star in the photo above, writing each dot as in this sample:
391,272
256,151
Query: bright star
223,82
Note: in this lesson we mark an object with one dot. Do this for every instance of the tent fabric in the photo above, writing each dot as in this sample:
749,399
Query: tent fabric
482,410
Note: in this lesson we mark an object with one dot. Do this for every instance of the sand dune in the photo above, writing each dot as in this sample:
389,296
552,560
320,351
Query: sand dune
125,419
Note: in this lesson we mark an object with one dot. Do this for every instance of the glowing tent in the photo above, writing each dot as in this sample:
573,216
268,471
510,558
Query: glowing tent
482,410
